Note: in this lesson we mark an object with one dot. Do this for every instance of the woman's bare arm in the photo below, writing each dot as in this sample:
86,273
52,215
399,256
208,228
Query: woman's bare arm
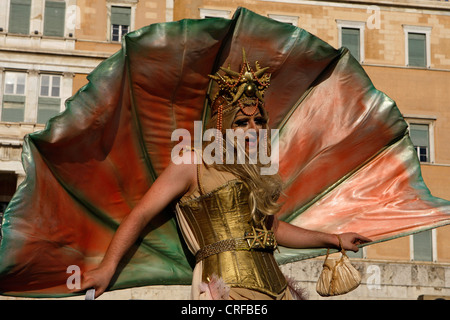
292,236
173,183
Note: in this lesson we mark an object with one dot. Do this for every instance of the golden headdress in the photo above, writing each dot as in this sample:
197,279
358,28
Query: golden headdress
239,89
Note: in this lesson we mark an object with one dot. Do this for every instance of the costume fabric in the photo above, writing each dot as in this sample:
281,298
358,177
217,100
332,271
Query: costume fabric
344,153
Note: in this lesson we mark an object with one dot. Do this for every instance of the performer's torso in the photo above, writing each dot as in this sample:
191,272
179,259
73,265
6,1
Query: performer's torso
223,214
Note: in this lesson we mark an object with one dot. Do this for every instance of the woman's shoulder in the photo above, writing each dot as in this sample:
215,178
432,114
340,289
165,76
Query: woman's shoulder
183,165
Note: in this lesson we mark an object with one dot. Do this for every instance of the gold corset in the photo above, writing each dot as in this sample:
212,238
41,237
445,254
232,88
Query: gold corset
222,216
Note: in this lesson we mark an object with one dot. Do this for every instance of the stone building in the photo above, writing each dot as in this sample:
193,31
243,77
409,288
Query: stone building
47,48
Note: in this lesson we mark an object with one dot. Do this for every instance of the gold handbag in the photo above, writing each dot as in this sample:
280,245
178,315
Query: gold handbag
338,276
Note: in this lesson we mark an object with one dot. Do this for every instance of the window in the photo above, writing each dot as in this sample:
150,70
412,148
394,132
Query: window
421,139
19,16
213,13
286,19
421,132
120,18
350,39
417,46
13,109
351,36
15,83
422,246
417,53
120,22
50,86
49,101
359,254
54,18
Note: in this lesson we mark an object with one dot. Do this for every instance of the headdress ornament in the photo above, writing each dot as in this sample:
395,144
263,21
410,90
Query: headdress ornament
245,87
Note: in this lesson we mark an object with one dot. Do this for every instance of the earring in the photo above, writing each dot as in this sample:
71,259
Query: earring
219,127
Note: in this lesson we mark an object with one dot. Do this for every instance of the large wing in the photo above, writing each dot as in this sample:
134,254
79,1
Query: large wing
349,164
94,162
344,149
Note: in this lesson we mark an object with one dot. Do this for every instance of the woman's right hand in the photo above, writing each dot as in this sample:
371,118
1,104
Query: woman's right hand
97,279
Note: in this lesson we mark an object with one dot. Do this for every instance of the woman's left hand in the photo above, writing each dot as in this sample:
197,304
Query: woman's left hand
350,240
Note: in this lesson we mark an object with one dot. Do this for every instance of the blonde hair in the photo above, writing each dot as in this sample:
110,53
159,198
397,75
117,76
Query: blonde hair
265,190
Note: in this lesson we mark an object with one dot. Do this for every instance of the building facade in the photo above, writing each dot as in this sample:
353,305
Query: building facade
47,48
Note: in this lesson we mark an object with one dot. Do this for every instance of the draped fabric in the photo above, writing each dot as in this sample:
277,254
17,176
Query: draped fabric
344,153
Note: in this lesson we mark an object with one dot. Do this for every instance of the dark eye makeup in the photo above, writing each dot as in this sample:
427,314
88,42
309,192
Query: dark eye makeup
242,122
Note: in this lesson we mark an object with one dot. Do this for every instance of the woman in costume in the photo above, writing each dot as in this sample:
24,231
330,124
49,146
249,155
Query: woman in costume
226,211
346,160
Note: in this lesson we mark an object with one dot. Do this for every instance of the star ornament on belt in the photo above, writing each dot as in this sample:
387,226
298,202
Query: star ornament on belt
261,238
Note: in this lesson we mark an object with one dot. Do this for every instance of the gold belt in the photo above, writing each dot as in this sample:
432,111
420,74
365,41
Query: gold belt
221,246
237,244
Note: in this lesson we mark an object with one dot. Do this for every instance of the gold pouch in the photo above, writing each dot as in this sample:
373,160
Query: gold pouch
338,276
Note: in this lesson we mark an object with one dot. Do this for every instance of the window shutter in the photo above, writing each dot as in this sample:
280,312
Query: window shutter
54,18
423,246
358,254
419,135
47,108
350,40
121,16
417,54
19,16
13,108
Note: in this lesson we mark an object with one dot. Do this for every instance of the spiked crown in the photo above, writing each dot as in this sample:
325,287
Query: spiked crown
246,85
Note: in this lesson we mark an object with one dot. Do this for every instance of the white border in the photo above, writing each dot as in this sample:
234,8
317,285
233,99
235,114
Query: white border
214,13
284,18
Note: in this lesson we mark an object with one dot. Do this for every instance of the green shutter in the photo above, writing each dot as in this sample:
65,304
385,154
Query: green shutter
13,108
47,108
350,40
419,135
19,16
121,16
423,246
54,18
417,53
358,254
